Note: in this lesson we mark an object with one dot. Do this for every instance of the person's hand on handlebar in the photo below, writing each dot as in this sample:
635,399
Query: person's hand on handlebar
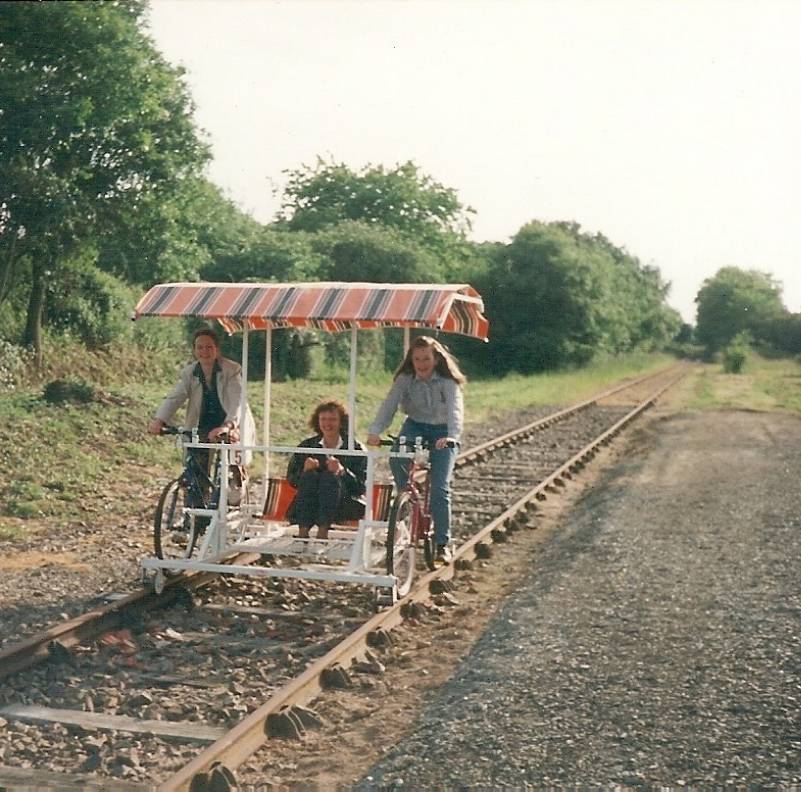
444,442
373,440
155,425
224,431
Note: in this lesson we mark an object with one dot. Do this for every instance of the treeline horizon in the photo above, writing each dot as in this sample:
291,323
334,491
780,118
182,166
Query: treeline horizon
103,194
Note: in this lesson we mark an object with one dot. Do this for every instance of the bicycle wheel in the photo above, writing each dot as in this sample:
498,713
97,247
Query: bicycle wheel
400,547
175,534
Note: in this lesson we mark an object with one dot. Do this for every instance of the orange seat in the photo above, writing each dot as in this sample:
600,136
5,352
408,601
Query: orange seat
280,494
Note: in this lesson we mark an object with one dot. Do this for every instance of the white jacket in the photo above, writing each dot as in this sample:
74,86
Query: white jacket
229,388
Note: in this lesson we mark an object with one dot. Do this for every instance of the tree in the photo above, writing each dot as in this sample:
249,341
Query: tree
401,197
734,300
93,122
784,333
268,254
176,237
358,251
556,296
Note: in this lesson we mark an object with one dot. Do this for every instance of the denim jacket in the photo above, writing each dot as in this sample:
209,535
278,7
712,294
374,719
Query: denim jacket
437,400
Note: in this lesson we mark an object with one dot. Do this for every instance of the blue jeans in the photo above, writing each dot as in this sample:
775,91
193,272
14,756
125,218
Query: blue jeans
442,461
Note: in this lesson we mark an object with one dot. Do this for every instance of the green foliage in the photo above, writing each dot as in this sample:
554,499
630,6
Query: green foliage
152,335
93,306
177,237
734,358
63,391
270,254
357,251
15,361
734,300
783,333
121,361
401,197
92,121
736,353
556,297
685,335
291,354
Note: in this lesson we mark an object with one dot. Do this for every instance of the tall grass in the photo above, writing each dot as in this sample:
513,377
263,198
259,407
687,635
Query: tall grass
483,397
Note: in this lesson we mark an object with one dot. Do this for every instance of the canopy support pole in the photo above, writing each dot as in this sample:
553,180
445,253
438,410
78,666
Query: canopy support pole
352,390
368,507
268,385
406,335
243,397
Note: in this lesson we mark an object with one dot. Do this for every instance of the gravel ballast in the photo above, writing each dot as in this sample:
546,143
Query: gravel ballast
657,641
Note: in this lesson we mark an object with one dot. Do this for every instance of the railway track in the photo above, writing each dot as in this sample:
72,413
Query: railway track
146,689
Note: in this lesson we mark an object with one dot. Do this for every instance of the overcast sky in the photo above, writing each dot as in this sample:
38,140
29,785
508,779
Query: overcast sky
674,128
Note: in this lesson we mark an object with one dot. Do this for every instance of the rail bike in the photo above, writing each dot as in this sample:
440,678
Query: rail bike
377,550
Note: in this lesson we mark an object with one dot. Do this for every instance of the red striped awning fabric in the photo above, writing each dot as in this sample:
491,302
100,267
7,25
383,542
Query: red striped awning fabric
326,306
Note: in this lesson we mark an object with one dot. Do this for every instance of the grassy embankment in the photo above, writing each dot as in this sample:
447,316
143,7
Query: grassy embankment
763,385
93,462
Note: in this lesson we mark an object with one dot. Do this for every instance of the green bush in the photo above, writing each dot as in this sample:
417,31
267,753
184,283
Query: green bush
736,353
734,360
63,391
90,305
686,351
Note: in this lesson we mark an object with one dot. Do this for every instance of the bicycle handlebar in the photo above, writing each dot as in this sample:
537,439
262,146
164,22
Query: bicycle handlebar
411,442
177,430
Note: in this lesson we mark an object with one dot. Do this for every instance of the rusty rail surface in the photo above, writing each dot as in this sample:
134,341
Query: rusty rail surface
251,733
283,710
60,638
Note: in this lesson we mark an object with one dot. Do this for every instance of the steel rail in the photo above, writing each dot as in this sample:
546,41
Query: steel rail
553,482
476,453
61,638
252,732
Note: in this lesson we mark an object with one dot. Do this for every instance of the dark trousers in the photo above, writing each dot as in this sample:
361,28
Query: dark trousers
319,499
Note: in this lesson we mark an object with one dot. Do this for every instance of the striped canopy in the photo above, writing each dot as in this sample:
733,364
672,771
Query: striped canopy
326,306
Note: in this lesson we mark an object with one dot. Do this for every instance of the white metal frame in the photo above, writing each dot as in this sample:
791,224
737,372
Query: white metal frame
350,556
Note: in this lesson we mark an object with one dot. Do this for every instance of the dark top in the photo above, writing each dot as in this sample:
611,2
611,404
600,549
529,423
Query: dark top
355,466
212,413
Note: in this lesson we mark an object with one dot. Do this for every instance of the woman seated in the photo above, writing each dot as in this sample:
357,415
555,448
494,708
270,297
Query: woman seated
330,486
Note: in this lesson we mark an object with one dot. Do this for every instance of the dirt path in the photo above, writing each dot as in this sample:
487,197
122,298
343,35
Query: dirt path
648,633
657,643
